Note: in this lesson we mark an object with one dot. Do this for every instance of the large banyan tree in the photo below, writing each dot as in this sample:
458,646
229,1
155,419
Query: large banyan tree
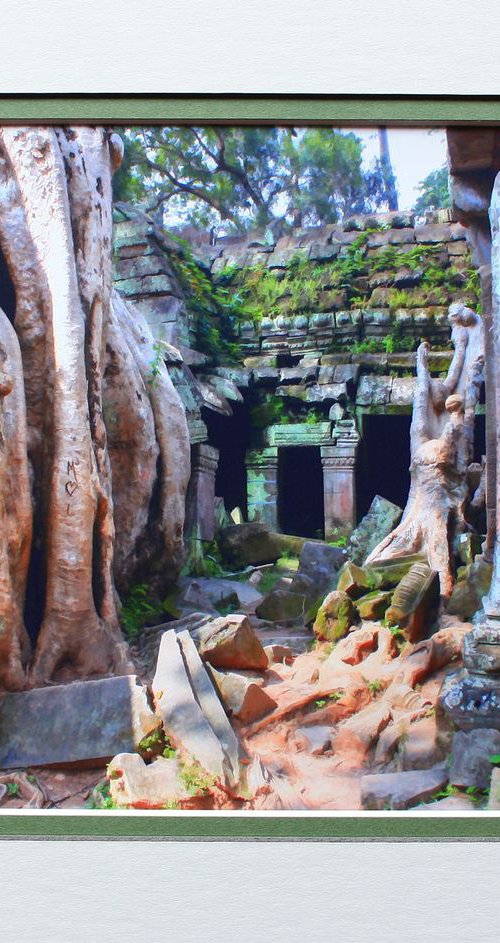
94,448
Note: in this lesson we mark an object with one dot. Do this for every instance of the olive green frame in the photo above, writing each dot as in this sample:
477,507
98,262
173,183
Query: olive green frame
343,110
255,109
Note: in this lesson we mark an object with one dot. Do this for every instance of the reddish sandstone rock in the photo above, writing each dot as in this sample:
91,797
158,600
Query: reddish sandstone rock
357,735
230,642
243,697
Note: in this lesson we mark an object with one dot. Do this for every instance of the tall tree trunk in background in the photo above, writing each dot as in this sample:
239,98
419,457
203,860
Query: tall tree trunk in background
388,173
56,235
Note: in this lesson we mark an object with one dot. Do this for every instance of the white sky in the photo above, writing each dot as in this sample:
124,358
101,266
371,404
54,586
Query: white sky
414,153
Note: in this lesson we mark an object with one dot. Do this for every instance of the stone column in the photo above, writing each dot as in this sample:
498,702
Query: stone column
200,520
339,469
472,697
262,486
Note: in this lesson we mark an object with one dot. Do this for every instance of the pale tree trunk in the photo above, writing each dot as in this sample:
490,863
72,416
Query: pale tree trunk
15,511
151,473
435,511
56,234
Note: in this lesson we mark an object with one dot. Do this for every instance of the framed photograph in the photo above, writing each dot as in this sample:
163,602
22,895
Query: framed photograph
249,552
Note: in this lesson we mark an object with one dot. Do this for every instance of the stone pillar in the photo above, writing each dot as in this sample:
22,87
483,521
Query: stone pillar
200,519
339,469
262,486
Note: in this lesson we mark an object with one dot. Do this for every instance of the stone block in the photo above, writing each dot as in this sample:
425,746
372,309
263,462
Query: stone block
403,391
315,739
354,580
494,797
71,723
401,790
374,391
254,543
326,393
470,757
230,642
439,232
382,517
373,606
415,599
299,374
387,237
420,748
209,701
243,697
282,605
335,617
135,785
299,433
182,717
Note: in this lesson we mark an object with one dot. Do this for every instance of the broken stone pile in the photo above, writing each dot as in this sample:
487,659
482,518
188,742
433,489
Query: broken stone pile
322,693
404,592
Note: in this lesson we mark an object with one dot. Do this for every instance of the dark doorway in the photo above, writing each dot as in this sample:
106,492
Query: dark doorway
479,438
231,436
7,291
384,461
301,509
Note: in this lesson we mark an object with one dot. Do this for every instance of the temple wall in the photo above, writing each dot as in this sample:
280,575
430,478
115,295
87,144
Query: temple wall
308,367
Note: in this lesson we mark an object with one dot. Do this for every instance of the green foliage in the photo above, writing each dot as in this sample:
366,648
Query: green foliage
215,308
12,790
399,299
434,191
339,542
445,793
156,744
101,797
168,751
139,608
371,345
195,779
473,285
268,581
333,696
314,416
271,412
236,178
207,561
472,793
156,362
375,687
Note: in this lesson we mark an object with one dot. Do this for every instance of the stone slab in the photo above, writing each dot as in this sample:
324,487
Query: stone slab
401,790
209,702
470,757
382,517
68,723
180,712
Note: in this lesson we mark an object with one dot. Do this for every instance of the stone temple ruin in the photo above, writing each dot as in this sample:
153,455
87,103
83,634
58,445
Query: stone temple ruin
339,398
330,636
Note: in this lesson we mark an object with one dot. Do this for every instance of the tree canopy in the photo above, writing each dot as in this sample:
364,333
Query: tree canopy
434,191
233,179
